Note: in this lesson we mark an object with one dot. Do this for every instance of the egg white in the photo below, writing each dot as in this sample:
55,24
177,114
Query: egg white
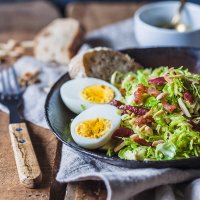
70,93
108,112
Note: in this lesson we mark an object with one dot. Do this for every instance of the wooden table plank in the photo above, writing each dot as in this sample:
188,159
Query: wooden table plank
44,143
22,21
96,15
87,190
57,190
92,16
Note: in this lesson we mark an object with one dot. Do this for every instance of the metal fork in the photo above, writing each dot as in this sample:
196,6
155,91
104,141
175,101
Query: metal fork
11,96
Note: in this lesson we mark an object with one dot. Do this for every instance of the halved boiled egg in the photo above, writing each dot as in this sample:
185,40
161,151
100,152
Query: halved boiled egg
94,127
82,93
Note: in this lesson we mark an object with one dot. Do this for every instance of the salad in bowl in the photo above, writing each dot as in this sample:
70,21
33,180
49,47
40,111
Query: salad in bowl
149,114
160,114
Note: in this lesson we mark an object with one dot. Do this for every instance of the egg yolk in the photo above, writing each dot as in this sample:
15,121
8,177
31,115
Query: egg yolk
93,128
100,94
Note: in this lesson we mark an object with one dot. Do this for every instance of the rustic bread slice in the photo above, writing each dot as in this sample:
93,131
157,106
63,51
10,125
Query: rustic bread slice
59,41
100,63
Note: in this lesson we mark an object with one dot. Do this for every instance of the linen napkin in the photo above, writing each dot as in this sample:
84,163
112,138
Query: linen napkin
121,183
34,95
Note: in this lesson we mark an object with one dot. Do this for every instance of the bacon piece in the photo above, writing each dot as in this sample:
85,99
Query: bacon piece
116,103
168,107
158,81
153,92
138,94
134,109
188,97
195,126
123,91
142,141
142,120
123,132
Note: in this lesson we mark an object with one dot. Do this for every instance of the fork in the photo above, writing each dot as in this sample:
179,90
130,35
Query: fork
11,96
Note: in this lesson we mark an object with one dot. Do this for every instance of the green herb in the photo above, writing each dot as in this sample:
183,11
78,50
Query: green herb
83,107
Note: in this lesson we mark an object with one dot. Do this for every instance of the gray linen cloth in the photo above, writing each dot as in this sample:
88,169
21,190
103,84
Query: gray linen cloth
121,183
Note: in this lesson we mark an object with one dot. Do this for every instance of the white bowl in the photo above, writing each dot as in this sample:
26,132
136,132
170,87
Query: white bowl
147,18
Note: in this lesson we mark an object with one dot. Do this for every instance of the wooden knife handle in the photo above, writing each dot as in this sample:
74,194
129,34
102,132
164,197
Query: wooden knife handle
27,165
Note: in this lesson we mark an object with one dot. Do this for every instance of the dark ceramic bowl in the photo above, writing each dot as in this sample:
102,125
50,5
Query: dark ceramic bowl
58,115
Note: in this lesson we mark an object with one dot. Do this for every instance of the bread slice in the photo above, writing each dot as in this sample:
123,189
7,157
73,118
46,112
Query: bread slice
100,63
59,41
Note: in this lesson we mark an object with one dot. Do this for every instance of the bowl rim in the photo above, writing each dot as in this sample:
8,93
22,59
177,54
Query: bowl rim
141,10
90,153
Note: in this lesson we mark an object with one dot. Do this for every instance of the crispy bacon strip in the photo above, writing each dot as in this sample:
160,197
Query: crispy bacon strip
142,120
123,91
168,107
134,109
153,92
188,97
158,81
138,94
142,141
195,126
123,132
116,103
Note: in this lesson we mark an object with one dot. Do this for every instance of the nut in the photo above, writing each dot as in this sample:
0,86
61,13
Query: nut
148,114
158,113
155,143
161,95
29,78
148,130
168,79
177,76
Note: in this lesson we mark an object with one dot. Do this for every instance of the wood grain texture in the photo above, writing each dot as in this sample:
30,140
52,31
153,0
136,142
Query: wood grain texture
57,190
86,190
22,21
28,168
44,144
96,15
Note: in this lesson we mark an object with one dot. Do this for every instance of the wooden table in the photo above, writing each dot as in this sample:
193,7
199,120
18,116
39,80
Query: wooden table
22,21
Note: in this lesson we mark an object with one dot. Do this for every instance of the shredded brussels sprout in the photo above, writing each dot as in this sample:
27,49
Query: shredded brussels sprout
166,131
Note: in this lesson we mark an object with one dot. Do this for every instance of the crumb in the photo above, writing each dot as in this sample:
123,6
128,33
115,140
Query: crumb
29,78
13,49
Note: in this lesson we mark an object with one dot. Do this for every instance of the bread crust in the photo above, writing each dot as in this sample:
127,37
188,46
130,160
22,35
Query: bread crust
76,66
60,52
77,42
100,63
